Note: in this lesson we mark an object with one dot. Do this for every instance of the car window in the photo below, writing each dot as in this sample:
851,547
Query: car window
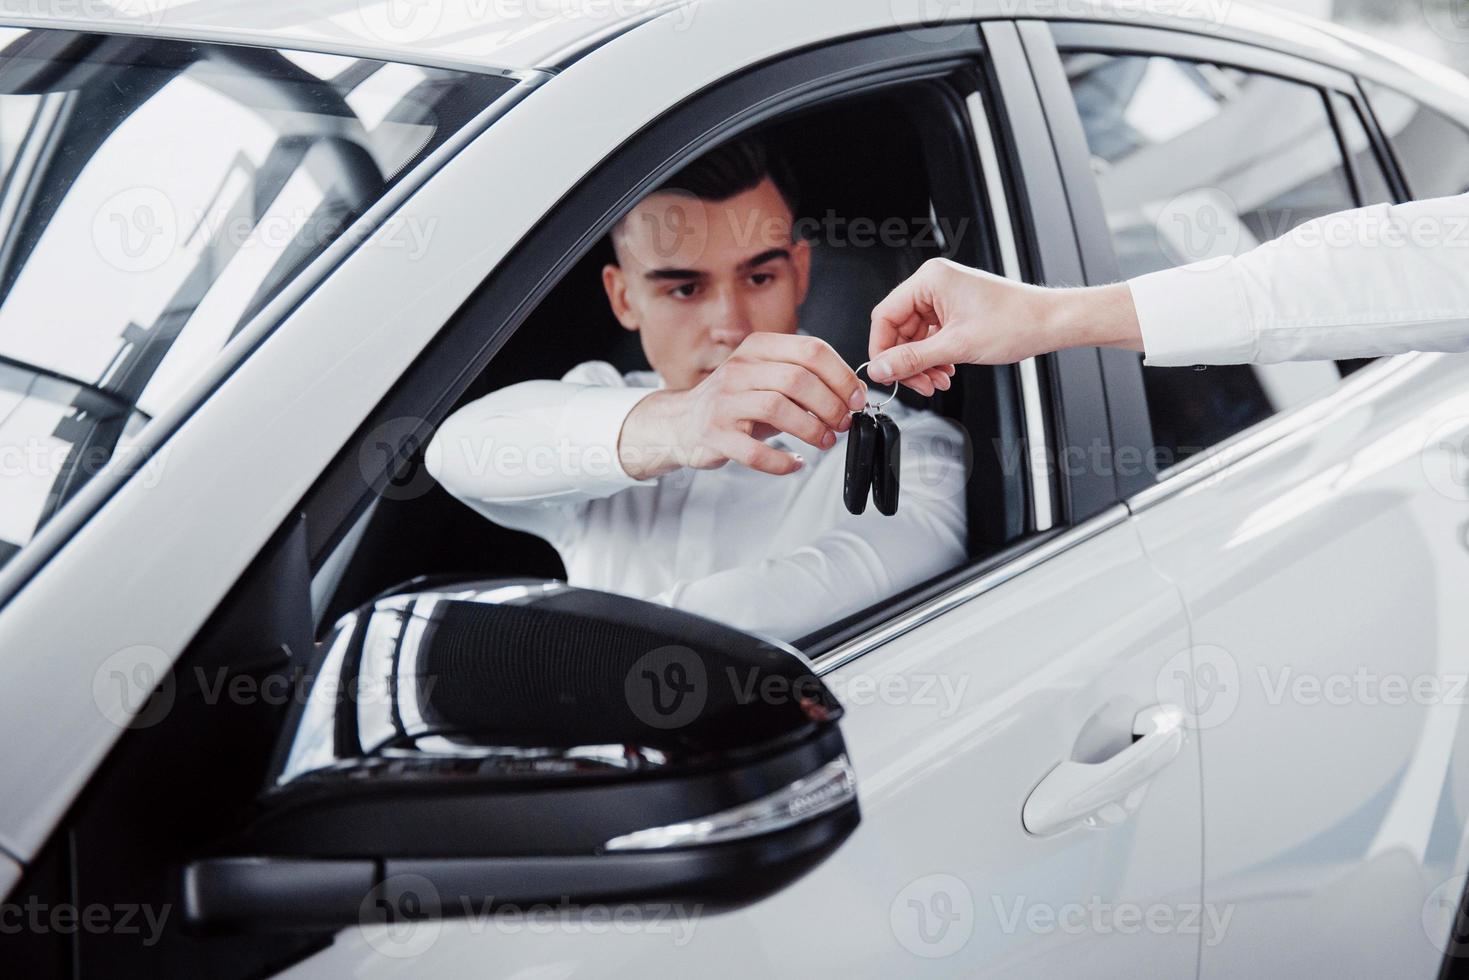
154,195
1197,161
1431,148
867,214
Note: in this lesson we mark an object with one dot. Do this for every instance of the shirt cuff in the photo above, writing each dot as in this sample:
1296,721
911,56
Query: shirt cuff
1194,314
591,427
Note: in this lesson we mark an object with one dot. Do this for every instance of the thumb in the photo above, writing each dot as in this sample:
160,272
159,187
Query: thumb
906,360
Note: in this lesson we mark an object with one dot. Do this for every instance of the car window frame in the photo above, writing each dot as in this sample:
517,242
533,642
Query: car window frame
1127,405
429,387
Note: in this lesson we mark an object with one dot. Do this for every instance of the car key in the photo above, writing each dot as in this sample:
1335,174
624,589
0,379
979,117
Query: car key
886,464
861,449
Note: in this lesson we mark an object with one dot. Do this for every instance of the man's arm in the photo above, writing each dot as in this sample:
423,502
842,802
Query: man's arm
539,441
1371,281
860,560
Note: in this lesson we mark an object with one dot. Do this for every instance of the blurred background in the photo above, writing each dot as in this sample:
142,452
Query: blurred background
1438,29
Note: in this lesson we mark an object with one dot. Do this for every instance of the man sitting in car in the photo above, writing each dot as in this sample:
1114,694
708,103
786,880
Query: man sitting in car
627,476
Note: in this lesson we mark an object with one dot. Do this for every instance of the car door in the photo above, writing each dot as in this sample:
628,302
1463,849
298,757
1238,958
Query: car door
1034,798
1307,518
1030,796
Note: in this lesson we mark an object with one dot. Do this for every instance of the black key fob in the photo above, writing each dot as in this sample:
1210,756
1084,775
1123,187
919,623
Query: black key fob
861,449
887,465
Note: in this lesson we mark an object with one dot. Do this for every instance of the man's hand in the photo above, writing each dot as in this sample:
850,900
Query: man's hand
771,383
947,314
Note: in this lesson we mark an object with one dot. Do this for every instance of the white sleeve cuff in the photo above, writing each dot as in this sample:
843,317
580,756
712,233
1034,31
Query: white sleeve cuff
591,427
1194,314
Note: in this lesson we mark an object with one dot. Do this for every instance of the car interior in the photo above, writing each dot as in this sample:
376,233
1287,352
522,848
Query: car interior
844,175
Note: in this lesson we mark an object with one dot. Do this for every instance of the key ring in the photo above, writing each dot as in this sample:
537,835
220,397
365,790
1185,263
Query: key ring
871,382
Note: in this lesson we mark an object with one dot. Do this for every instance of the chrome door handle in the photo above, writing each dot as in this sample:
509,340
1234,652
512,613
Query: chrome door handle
1100,793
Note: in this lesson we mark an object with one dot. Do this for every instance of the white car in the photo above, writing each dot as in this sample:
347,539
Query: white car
275,704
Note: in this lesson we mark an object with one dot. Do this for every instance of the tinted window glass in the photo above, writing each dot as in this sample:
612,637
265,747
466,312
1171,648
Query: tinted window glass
1432,149
1197,161
154,195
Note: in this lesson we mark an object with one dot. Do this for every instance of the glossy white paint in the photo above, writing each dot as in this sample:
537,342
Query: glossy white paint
1324,579
949,729
1347,815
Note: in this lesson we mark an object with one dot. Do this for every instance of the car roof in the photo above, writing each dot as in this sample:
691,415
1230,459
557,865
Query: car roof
527,34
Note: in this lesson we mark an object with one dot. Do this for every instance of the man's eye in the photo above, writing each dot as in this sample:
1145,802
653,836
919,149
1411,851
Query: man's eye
761,278
685,291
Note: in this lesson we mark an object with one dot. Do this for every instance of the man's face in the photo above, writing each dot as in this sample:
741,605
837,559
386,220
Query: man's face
694,277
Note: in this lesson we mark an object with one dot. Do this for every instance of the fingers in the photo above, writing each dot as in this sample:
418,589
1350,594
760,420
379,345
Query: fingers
814,354
751,452
903,315
906,360
774,408
800,386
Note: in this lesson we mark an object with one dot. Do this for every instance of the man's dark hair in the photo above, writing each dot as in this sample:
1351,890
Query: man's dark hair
729,169
734,168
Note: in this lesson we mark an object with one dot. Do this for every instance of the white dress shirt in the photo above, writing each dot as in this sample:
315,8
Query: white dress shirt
778,555
1376,280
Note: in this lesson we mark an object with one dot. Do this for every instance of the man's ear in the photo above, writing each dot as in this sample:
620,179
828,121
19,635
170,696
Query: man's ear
614,281
801,259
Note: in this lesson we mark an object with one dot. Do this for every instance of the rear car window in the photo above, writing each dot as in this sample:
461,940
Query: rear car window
154,196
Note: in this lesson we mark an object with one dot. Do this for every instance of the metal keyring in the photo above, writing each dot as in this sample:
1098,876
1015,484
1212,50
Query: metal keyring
870,381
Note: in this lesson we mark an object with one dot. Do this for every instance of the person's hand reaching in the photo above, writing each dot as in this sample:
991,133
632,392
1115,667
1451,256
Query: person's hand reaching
947,314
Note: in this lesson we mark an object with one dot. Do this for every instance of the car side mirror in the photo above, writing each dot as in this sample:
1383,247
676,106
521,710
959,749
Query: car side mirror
524,741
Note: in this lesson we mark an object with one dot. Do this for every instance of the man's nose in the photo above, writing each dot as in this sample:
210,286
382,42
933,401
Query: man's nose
729,318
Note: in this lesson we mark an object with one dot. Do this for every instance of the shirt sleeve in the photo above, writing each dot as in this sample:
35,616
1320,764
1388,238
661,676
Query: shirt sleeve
859,560
531,455
1362,283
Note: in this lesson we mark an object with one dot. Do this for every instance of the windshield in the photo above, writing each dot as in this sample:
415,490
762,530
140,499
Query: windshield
155,195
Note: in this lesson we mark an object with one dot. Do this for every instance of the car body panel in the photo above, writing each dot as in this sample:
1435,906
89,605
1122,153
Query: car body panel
1324,575
949,728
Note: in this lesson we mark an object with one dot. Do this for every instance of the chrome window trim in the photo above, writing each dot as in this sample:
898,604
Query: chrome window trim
1223,457
977,586
1030,386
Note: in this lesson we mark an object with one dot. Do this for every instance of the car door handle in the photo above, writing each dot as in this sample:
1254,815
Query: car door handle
1098,793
